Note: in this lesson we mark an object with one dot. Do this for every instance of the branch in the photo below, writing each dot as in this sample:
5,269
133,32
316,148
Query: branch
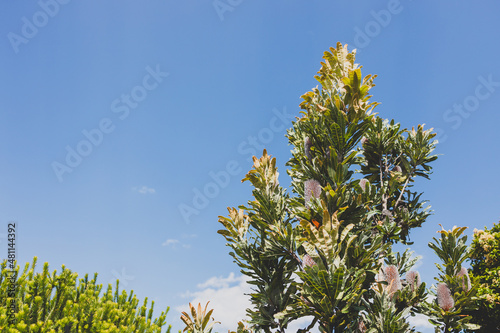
297,259
384,197
402,191
404,188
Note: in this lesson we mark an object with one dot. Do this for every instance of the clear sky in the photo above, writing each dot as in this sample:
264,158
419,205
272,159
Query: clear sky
116,115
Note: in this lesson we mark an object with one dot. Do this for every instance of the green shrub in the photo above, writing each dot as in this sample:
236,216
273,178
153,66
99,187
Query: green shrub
485,262
45,302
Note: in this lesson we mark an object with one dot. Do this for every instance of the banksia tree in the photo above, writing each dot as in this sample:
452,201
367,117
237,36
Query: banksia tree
60,302
351,198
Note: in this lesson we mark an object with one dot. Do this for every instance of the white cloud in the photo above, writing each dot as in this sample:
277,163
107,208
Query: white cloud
219,282
144,190
189,235
302,323
174,243
421,322
170,242
227,298
419,263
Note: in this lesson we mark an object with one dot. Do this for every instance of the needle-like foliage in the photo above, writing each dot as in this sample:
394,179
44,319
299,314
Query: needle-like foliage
60,302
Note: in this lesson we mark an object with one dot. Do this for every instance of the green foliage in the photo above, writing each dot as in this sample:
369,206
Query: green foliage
58,302
382,316
452,251
455,296
264,246
409,299
390,158
485,262
331,287
335,230
242,328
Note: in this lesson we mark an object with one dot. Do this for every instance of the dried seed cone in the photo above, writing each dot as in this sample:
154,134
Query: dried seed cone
387,212
444,298
397,168
307,148
306,301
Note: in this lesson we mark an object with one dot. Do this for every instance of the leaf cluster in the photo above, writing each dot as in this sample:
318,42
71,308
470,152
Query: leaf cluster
199,320
263,242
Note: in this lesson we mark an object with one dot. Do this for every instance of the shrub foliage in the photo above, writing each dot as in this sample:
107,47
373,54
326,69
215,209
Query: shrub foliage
485,262
60,302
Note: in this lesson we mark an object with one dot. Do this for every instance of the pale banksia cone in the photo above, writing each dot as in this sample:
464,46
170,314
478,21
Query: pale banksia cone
312,188
413,279
362,183
361,326
308,261
465,279
392,278
445,300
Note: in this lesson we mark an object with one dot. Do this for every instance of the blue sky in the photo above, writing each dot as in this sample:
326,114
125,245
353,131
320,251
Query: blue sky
161,99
